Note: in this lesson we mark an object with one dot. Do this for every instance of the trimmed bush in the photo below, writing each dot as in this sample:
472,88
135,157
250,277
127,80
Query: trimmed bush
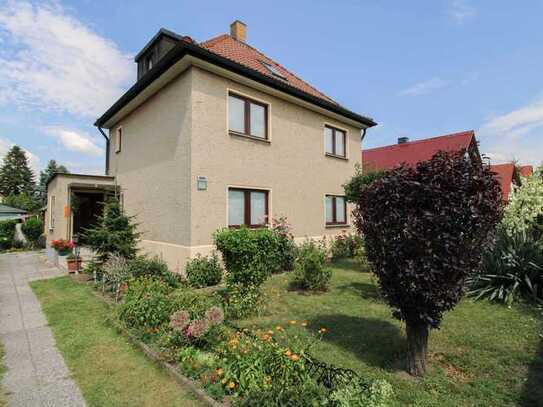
310,272
249,255
153,267
204,271
32,229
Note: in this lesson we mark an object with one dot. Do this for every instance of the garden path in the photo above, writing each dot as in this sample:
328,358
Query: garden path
36,373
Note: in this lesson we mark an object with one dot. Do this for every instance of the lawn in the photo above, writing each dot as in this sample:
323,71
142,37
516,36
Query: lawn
108,370
484,355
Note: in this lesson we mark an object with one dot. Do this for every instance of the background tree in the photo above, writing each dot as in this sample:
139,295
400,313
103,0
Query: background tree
361,179
424,231
114,233
26,201
524,212
16,177
51,169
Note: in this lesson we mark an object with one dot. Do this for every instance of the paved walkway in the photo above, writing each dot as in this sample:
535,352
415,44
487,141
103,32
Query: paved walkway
36,373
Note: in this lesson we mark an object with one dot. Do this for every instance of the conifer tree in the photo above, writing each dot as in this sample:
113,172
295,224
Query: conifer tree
16,177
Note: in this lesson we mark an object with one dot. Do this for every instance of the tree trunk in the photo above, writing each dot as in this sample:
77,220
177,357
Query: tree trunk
417,348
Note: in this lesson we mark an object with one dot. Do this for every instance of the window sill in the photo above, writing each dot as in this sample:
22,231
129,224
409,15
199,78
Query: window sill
245,136
338,226
339,157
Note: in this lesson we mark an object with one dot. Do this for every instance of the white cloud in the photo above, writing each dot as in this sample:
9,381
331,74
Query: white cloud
74,141
460,11
516,135
425,87
49,60
33,160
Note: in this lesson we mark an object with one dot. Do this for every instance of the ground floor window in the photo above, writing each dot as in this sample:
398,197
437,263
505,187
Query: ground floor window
336,210
247,207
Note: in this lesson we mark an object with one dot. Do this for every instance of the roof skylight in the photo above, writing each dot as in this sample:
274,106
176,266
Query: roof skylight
273,70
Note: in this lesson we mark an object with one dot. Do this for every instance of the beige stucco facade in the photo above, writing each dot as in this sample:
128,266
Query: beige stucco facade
181,132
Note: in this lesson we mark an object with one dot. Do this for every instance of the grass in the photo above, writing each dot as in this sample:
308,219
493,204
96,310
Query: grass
484,354
108,370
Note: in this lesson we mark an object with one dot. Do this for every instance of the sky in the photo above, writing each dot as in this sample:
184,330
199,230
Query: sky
418,68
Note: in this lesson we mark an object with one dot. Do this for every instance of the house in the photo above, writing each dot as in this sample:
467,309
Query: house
217,134
510,176
412,152
9,213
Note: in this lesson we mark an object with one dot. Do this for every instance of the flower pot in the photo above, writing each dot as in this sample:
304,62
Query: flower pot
74,265
64,252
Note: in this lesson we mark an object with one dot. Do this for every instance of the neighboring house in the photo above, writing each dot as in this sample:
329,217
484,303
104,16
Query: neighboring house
217,134
9,213
412,152
510,176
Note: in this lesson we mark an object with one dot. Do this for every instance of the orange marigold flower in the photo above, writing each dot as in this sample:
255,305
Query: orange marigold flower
220,372
279,328
292,322
288,353
294,358
223,381
270,332
231,385
322,330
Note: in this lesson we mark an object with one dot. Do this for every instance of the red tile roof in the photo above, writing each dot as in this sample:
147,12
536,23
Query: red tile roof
410,153
526,170
505,173
242,53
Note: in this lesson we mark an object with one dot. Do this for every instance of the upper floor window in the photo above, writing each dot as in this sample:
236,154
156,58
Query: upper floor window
247,117
336,210
334,140
119,140
247,207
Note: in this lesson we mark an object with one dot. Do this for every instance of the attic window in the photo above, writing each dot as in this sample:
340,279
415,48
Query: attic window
273,70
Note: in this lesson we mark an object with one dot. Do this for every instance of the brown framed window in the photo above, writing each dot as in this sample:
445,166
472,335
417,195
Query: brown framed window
247,117
336,210
119,140
247,207
334,141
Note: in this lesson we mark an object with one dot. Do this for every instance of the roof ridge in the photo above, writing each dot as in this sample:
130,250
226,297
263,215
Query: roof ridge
273,61
426,140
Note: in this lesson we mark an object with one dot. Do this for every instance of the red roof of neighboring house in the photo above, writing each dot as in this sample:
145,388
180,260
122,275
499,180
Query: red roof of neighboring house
526,170
410,153
505,173
242,53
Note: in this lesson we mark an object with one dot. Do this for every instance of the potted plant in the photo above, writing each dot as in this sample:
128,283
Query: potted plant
74,263
62,246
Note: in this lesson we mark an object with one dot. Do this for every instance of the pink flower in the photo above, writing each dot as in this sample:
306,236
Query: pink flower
215,316
197,329
179,320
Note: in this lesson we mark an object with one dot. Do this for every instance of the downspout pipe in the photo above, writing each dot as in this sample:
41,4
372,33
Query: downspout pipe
107,148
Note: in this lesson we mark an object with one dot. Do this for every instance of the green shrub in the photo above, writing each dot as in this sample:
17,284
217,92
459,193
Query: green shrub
154,267
306,394
361,259
360,181
345,245
249,255
363,394
7,234
310,272
253,363
32,229
287,248
241,301
512,269
204,271
146,303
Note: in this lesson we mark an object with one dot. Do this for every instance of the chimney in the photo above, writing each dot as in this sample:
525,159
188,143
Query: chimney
403,140
238,30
